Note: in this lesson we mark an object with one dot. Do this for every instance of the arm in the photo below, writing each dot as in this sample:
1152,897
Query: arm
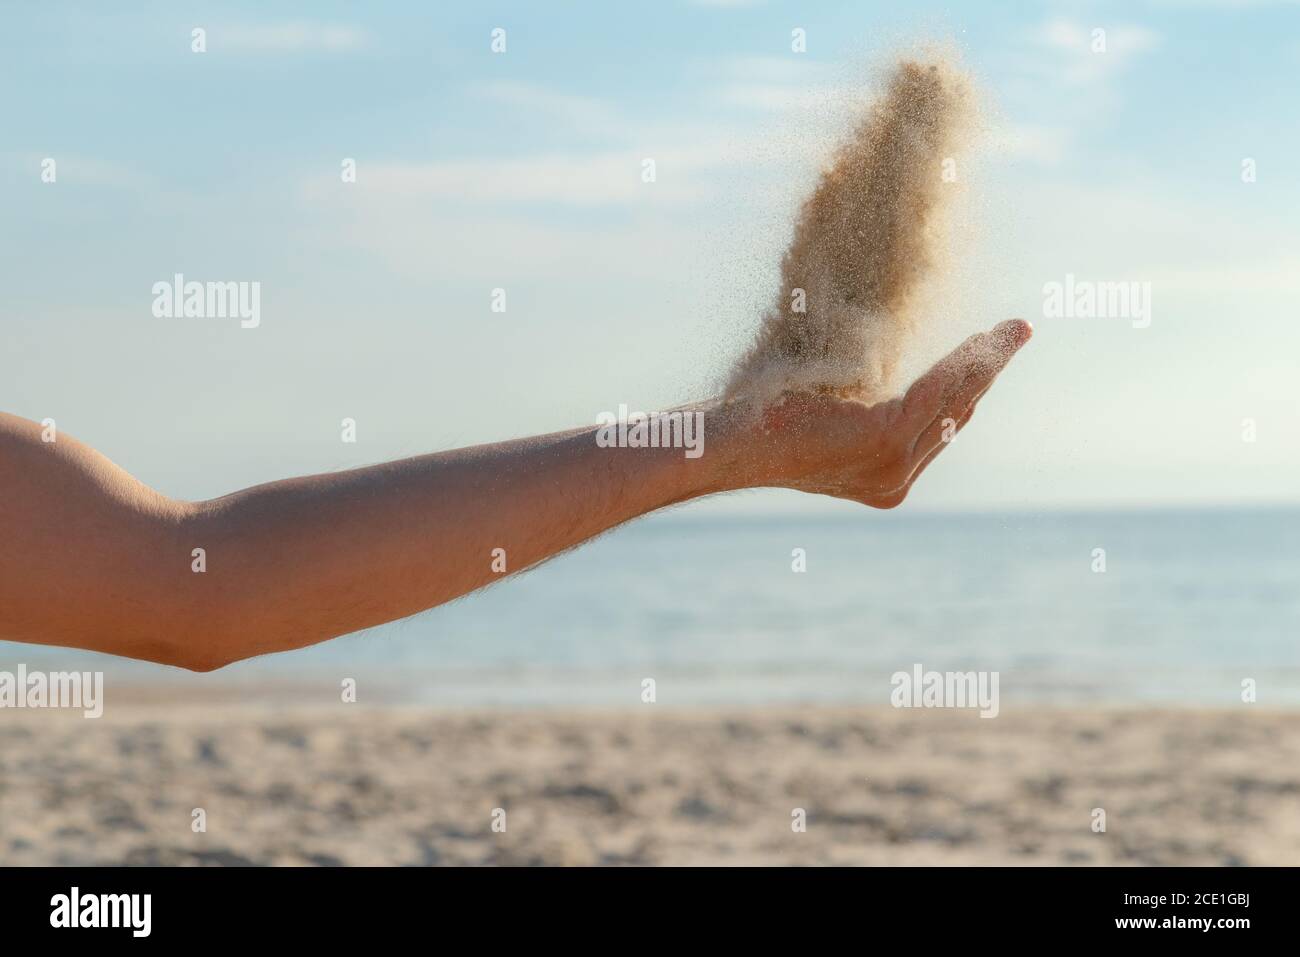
91,558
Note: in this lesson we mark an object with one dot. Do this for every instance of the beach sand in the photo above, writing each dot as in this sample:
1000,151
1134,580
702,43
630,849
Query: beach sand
354,785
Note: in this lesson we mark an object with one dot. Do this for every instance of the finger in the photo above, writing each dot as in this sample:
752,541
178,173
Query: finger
950,428
997,348
984,353
979,376
984,357
991,359
927,394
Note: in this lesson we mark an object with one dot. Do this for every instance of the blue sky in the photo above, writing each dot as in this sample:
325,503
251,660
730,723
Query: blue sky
521,171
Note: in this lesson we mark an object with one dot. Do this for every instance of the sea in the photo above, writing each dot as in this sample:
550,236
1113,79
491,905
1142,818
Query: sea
1167,608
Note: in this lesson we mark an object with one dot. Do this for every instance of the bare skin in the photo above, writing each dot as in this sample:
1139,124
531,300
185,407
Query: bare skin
92,558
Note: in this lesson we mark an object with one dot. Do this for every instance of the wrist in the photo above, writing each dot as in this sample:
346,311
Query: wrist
731,459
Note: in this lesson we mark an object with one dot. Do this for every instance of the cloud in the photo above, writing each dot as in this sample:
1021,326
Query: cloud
1052,83
483,246
88,171
1277,274
1046,145
693,161
479,211
576,179
580,114
1226,4
1088,55
791,68
774,98
774,84
297,36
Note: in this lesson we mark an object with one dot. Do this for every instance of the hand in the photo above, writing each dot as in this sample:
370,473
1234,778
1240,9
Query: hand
874,453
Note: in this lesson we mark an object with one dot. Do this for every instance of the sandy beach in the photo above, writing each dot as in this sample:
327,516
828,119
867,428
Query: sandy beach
348,785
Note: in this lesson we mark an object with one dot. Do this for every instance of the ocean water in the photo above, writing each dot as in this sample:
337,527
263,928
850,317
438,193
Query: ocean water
1190,604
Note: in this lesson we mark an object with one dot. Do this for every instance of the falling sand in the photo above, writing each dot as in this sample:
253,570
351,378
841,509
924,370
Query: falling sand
864,245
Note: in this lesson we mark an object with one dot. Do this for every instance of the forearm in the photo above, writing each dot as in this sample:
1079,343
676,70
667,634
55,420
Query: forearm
92,558
295,562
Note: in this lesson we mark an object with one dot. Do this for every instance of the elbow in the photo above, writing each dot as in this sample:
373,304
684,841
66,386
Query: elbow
201,623
199,651
202,662
167,642
198,634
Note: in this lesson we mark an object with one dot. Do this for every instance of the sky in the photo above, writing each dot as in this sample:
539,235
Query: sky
522,170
